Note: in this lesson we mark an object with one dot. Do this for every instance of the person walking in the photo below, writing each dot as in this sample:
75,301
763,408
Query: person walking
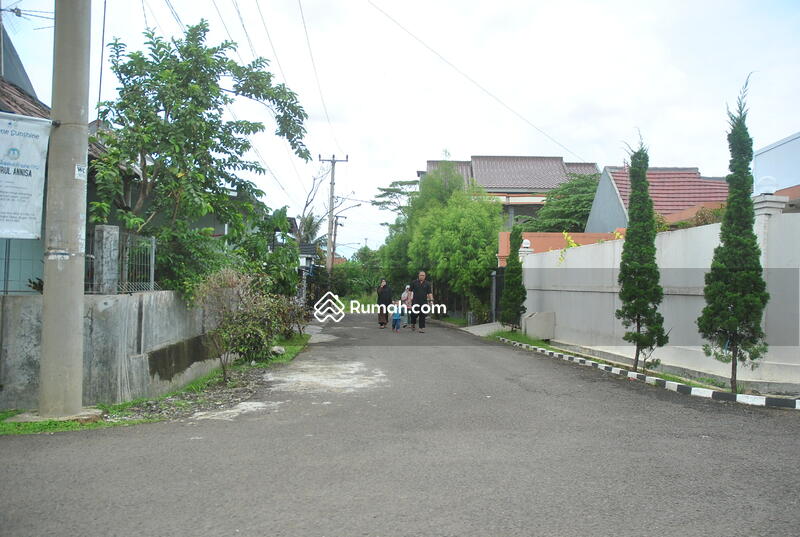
397,316
406,298
384,300
422,296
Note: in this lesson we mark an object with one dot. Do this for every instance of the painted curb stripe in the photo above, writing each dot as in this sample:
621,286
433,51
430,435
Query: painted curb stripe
753,400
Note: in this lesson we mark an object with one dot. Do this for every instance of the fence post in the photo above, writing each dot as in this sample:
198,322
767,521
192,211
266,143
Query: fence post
106,259
152,263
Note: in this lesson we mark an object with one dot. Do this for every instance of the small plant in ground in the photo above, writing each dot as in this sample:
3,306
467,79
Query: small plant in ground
735,290
640,291
512,301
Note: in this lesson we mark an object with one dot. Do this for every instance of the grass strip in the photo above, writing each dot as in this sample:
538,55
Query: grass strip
519,337
116,413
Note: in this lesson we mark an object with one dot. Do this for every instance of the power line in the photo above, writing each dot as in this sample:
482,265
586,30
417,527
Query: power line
271,45
175,14
316,75
475,82
230,109
246,33
146,24
102,53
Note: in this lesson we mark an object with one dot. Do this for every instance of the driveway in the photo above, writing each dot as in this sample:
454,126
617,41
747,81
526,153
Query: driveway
371,433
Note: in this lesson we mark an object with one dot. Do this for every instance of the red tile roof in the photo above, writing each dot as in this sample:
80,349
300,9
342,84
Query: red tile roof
690,212
544,242
793,192
673,189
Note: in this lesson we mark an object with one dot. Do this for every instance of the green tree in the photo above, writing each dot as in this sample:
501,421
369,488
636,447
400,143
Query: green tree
396,197
463,243
171,157
735,290
512,301
640,291
167,122
566,207
309,227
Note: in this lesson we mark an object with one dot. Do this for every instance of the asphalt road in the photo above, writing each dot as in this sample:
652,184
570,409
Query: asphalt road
372,433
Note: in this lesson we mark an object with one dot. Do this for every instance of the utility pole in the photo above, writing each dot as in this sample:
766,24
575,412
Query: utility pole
336,226
331,219
61,366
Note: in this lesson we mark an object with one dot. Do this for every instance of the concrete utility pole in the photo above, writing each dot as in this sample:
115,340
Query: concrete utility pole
61,373
331,219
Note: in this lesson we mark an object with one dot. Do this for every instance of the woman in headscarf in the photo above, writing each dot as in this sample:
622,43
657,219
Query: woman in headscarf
406,299
384,300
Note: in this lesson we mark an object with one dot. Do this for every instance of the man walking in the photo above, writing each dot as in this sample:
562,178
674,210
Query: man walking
422,296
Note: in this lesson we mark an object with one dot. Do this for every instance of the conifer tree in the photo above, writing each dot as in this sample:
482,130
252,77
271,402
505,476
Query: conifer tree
513,298
735,290
640,291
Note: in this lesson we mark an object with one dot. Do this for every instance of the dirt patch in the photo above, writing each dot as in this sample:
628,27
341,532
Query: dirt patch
322,376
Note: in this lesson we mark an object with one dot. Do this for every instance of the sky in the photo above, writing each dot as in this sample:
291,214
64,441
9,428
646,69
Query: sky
405,82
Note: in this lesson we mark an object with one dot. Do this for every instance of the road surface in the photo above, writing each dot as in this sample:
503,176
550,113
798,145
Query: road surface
371,433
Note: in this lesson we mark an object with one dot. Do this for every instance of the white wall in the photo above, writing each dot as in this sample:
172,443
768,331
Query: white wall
583,292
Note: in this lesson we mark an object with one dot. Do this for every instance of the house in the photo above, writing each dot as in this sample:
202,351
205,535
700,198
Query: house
545,242
777,166
672,190
520,183
793,193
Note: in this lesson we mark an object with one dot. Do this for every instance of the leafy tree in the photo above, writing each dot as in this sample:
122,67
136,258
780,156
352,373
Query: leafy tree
309,227
735,290
167,122
512,301
171,157
393,254
640,291
463,243
566,207
396,196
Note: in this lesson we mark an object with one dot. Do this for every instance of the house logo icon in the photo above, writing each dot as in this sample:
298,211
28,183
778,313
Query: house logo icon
329,307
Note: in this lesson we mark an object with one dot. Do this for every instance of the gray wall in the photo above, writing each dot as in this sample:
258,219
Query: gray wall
582,291
135,345
607,212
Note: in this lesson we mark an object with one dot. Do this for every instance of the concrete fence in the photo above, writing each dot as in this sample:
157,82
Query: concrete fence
576,297
135,345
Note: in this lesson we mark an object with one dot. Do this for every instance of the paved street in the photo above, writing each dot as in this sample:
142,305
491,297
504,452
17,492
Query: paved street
370,433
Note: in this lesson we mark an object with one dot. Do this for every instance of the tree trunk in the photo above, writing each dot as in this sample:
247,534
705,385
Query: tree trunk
638,348
734,366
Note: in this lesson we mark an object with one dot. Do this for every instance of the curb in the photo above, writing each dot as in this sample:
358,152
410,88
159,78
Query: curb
753,400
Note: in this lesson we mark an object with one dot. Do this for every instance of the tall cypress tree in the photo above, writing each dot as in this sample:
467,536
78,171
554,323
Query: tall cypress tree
640,291
513,299
735,290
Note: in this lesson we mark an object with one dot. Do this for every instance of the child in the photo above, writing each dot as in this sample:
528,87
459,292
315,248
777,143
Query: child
397,316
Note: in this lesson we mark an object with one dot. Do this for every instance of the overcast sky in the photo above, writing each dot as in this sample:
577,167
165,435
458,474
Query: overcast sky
589,74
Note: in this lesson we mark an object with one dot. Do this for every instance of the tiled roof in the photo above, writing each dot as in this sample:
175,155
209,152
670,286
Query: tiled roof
308,249
690,212
14,100
793,192
583,168
464,167
673,189
526,174
519,172
544,242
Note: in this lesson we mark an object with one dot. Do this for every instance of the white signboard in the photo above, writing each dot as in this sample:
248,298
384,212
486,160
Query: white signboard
23,161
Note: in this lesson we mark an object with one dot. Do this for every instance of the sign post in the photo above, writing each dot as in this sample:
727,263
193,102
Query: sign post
23,160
